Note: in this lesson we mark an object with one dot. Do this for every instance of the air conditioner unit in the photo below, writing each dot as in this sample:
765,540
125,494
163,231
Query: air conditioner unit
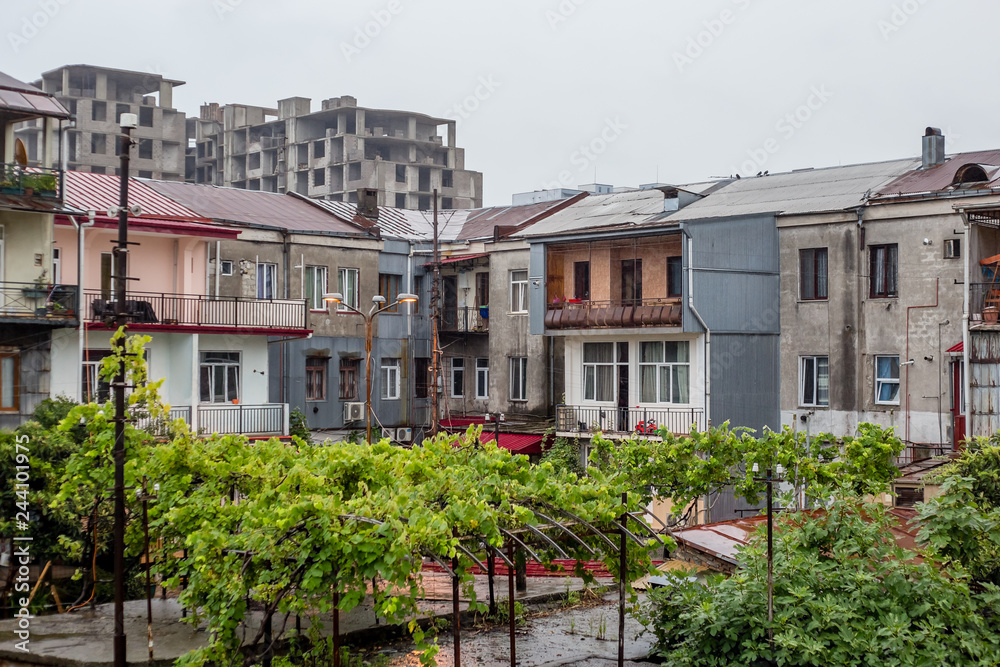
388,434
354,412
404,434
952,248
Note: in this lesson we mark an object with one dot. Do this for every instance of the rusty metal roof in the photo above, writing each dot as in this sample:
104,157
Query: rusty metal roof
267,209
481,222
99,192
941,178
600,212
23,98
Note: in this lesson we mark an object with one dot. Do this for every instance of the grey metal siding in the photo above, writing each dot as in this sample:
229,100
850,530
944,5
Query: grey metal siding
536,290
745,378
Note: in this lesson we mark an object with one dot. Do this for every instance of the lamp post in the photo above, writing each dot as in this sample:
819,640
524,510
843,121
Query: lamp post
769,480
378,307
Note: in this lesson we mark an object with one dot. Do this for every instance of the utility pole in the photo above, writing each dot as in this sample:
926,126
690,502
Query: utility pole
435,317
128,122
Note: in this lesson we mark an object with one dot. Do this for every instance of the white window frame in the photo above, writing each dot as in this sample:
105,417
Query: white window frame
265,271
519,378
349,292
316,278
10,372
482,378
664,395
806,377
390,380
56,266
226,267
457,389
591,372
213,368
519,292
880,381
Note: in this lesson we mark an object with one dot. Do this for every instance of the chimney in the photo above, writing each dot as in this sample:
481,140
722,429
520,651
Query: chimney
933,152
368,203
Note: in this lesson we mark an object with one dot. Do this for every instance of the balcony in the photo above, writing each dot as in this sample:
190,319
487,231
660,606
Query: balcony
626,421
465,319
226,419
37,182
53,304
984,304
195,310
576,314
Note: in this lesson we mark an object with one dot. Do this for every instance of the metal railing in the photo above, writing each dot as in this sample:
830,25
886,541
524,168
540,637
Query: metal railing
159,426
30,181
271,419
574,314
920,452
35,300
644,421
199,310
464,319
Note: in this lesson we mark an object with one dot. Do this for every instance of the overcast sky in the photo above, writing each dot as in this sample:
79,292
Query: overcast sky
549,91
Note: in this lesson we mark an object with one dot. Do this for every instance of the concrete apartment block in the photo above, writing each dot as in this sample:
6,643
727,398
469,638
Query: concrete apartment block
98,96
333,152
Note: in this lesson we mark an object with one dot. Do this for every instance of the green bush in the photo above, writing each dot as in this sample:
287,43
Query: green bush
299,427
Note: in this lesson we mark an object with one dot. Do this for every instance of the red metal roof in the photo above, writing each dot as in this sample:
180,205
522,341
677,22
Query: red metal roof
941,177
99,192
518,443
957,348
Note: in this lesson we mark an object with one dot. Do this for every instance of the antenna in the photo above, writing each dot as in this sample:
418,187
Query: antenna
20,153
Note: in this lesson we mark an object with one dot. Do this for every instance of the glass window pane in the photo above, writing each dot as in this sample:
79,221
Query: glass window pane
588,383
822,381
651,352
598,353
807,274
681,384
665,384
808,377
605,383
206,384
888,392
821,272
647,381
676,351
7,383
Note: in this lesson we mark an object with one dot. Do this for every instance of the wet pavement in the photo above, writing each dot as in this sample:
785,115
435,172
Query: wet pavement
570,637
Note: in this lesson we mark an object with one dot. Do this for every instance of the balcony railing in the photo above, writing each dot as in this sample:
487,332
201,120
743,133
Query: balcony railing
31,300
575,314
30,181
465,319
644,421
919,452
226,419
199,310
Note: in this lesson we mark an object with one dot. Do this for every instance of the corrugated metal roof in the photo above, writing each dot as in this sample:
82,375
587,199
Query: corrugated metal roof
252,207
940,178
99,192
600,211
797,192
480,223
21,97
518,443
391,221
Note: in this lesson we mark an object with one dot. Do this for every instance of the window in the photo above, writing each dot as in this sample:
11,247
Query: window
882,270
56,266
518,291
146,149
482,289
401,173
347,285
316,379
812,274
354,171
423,203
319,177
319,148
887,380
145,174
482,378
422,379
457,377
349,379
952,248
631,280
107,275
94,389
598,371
447,204
675,276
814,381
98,144
119,110
227,267
581,280
418,289
8,382
390,379
315,287
447,180
664,372
400,200
220,377
146,116
389,287
519,378
267,280
98,111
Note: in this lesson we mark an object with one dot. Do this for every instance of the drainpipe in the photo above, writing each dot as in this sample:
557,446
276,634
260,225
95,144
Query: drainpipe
708,332
966,343
208,259
937,291
81,329
285,250
218,267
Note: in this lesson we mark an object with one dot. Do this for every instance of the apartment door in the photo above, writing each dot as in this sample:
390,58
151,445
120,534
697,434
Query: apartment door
957,403
581,281
623,398
449,314
631,281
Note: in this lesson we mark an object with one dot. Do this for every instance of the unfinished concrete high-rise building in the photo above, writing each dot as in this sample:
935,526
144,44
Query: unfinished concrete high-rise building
335,152
98,96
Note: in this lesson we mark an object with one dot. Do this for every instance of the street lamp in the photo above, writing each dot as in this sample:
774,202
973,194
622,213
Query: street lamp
378,307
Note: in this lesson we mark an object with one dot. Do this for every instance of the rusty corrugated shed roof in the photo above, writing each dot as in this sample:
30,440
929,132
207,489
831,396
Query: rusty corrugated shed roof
481,222
23,98
941,177
267,209
620,209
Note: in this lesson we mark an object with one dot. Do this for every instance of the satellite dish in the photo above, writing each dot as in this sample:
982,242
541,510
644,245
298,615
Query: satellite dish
20,153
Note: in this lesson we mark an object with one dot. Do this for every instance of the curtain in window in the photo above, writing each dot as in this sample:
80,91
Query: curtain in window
680,385
821,274
7,373
891,257
822,381
878,271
